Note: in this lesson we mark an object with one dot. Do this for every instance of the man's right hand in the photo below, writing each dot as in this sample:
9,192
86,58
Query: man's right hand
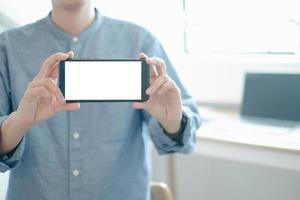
43,98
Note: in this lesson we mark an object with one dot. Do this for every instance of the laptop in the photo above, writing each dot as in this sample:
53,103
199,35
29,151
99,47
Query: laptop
271,99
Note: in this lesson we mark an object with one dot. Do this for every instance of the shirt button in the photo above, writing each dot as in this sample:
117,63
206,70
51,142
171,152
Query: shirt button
76,135
75,39
76,172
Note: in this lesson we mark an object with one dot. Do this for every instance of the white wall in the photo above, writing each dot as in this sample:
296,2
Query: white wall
220,79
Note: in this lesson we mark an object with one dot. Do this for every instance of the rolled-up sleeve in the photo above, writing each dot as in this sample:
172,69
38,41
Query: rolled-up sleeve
11,159
164,143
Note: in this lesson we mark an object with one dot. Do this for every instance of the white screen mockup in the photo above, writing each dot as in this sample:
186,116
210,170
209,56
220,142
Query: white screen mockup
103,80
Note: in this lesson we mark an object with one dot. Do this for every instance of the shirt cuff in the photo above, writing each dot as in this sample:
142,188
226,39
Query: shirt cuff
12,159
164,144
178,136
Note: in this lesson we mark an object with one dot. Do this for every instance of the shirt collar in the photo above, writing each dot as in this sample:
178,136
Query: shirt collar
60,34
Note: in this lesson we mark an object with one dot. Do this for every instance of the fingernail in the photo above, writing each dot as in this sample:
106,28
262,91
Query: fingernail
148,91
53,100
53,81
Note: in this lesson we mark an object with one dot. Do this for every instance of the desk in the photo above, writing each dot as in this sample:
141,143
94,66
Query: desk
226,127
236,162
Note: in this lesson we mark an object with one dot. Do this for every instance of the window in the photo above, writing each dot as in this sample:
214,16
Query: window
242,26
163,18
23,12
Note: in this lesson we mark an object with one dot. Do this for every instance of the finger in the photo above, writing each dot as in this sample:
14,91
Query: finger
68,107
153,72
156,84
49,64
139,105
54,73
50,84
166,87
143,56
70,54
159,65
53,100
33,93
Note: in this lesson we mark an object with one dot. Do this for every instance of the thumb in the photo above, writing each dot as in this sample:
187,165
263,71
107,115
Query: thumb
68,107
139,105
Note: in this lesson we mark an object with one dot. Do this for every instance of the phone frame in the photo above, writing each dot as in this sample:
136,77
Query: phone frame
145,79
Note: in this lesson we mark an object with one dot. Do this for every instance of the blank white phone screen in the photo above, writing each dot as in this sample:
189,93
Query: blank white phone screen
103,80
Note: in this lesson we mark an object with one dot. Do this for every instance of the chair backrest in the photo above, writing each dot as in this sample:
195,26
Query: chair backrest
160,191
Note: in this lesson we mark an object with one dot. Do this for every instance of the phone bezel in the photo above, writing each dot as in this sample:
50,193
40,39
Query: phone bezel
145,80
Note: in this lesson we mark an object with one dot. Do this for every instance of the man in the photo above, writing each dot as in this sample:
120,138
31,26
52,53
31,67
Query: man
57,150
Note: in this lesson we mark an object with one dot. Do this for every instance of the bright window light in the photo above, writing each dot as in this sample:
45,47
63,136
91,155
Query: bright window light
247,26
24,12
163,18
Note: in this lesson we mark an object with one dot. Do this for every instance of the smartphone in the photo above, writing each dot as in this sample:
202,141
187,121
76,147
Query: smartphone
104,80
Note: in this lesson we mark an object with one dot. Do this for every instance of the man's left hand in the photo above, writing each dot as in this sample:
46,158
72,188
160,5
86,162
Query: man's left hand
164,101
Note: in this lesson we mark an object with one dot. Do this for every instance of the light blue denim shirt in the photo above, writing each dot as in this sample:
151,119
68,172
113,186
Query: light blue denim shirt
100,151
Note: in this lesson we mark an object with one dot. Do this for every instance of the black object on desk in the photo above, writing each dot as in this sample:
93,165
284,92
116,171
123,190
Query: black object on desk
275,96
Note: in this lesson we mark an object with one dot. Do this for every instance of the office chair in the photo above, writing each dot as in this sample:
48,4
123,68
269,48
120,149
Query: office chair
160,191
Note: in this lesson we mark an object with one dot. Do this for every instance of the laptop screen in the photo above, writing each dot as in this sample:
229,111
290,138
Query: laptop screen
275,96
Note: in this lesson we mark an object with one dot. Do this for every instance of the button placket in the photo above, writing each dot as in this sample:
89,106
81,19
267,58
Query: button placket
74,45
75,156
